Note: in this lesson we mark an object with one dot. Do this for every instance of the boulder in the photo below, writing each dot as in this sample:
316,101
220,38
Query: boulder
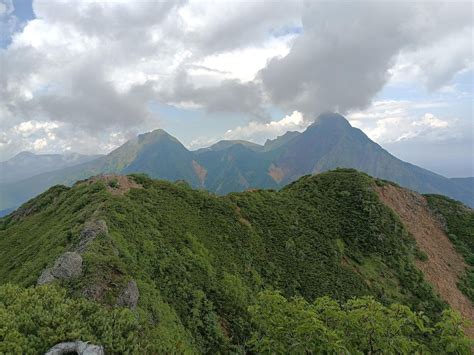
76,347
45,277
91,230
129,295
67,266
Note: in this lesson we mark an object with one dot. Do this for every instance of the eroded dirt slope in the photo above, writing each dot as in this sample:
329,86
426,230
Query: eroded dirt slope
444,265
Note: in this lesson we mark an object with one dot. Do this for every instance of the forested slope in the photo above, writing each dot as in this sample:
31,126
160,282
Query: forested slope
206,271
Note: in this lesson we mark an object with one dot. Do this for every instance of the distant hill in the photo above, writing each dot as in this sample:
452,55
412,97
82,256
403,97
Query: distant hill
465,182
145,266
27,164
230,166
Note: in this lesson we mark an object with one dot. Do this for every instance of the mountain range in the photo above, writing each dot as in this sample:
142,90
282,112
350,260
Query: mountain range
230,166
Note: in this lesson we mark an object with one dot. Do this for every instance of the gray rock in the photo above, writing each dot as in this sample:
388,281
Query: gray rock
91,230
78,347
45,277
67,266
129,295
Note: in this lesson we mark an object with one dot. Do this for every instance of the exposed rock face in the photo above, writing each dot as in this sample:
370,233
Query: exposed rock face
91,230
129,295
79,347
67,266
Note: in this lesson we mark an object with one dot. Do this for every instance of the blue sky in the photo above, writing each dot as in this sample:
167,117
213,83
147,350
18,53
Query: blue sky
87,76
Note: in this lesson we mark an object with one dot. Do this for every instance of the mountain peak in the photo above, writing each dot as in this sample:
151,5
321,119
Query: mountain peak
331,119
154,136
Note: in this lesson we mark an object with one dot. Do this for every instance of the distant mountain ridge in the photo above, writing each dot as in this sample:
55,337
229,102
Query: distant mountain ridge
27,164
465,182
229,166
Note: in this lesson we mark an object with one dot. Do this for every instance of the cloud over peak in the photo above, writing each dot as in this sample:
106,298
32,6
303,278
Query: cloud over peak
94,68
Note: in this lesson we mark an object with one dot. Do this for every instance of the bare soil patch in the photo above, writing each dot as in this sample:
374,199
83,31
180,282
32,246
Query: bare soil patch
200,171
116,184
444,265
276,173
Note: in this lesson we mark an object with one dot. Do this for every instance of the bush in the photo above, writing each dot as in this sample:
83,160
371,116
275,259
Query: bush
114,183
32,320
361,325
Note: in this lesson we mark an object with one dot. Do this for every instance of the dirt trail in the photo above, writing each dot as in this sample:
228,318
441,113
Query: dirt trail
444,265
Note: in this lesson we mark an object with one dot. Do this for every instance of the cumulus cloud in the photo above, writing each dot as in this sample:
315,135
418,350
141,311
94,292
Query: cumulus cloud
257,131
260,131
435,65
391,121
229,95
95,68
344,55
225,26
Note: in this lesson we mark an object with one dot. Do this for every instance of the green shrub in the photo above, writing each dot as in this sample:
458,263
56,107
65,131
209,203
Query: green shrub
361,325
34,319
459,222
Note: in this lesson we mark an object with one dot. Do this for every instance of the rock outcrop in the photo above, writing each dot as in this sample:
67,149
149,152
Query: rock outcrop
67,266
129,295
91,230
76,347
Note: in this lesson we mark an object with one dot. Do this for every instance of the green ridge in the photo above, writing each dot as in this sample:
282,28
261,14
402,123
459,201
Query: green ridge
201,260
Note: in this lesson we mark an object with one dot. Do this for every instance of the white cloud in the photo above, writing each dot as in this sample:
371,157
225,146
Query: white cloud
393,121
259,131
256,131
39,144
244,64
431,121
436,63
93,68
30,127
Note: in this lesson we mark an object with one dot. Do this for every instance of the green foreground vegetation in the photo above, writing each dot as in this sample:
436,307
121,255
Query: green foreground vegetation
320,266
458,221
34,318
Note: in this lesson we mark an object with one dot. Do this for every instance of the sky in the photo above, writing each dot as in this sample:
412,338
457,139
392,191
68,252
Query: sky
85,76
